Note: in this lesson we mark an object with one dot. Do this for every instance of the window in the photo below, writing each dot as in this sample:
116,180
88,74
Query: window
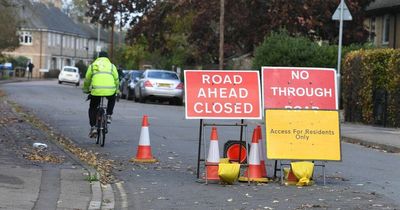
386,29
72,42
58,39
25,38
70,70
49,39
162,75
372,30
66,42
53,40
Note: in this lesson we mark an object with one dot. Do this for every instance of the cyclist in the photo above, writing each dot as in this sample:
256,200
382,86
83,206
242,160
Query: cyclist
101,80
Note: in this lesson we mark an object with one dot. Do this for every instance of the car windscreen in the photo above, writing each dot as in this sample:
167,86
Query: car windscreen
70,70
135,74
162,75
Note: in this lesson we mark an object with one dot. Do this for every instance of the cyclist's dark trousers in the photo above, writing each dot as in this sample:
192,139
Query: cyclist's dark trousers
95,102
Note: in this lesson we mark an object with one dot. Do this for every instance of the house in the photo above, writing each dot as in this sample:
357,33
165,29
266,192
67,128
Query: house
51,39
383,23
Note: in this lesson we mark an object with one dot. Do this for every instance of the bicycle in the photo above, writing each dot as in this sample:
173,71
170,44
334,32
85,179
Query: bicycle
101,123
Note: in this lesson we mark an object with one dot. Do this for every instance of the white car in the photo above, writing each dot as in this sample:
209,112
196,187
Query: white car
69,74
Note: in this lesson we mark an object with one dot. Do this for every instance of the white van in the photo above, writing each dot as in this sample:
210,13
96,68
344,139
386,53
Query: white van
69,74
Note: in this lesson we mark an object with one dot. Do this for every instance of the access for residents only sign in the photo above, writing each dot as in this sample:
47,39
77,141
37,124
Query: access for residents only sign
217,94
302,134
299,88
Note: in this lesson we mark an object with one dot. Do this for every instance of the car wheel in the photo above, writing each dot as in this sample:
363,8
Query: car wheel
129,96
175,101
179,102
59,82
123,96
77,84
136,99
141,98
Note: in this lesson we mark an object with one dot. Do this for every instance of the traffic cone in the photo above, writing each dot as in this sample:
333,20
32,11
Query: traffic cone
261,146
291,178
143,154
213,156
253,172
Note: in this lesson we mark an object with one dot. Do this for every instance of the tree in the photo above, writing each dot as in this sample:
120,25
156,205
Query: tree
9,39
76,9
247,22
109,11
312,18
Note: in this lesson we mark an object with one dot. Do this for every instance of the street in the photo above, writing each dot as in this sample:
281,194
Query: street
365,179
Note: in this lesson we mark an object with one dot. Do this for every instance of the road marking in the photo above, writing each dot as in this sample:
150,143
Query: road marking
124,200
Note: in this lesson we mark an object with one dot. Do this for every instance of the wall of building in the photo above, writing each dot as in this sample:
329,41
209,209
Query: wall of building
394,30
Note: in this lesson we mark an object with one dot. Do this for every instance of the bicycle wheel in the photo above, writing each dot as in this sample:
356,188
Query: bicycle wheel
103,131
98,134
99,126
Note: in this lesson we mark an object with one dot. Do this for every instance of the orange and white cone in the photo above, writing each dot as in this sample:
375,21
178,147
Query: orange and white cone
143,154
253,172
261,146
213,156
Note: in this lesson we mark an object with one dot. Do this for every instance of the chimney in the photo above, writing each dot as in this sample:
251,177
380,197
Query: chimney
55,3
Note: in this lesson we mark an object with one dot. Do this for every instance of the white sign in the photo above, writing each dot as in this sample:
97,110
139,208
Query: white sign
98,48
346,13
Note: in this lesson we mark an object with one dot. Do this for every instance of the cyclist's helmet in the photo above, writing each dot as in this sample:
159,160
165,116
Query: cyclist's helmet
103,54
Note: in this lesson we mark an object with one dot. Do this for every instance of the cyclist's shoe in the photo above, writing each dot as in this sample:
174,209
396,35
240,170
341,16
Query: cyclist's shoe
93,132
109,119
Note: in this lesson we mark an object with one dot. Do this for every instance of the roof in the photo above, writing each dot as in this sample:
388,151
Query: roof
36,15
91,31
383,6
39,16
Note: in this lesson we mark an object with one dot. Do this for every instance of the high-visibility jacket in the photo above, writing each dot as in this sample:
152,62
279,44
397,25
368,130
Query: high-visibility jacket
101,78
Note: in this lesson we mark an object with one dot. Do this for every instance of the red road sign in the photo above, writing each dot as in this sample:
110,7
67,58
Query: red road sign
299,88
216,94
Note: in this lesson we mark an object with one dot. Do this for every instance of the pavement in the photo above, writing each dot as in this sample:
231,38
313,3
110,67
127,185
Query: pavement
47,177
52,178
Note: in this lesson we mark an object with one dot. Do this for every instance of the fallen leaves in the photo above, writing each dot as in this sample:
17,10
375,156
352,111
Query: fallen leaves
103,166
43,156
8,120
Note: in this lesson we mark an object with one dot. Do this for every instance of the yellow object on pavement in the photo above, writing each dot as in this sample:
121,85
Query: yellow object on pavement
224,160
303,171
228,172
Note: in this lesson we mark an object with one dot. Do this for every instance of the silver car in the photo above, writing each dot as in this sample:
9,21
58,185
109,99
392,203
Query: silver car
159,84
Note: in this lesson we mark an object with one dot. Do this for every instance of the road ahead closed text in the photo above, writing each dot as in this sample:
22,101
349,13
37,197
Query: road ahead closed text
222,94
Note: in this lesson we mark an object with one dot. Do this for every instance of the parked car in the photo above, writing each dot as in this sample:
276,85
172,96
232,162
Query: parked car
128,82
123,73
159,84
69,74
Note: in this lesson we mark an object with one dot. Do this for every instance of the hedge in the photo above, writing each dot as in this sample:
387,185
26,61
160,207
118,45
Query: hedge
281,49
371,87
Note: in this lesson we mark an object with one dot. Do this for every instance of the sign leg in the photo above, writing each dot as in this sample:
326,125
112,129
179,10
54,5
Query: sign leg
199,150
